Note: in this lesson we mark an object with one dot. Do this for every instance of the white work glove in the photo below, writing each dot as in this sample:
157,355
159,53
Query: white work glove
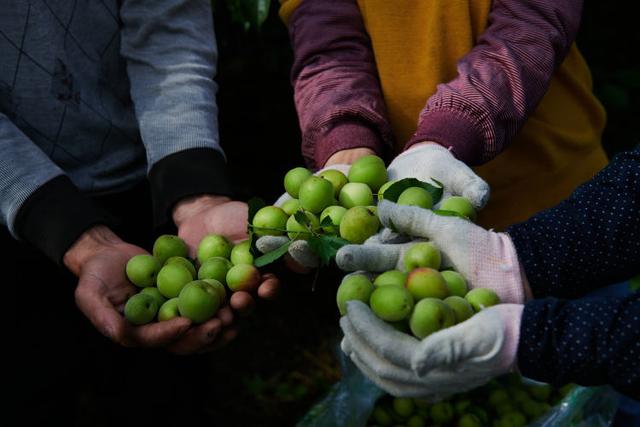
299,250
485,258
428,161
453,360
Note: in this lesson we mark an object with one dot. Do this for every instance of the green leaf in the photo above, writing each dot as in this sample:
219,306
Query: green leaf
393,192
272,256
249,13
634,284
326,247
443,212
326,222
255,204
301,218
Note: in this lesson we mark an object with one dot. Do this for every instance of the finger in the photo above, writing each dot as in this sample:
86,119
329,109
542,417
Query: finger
157,334
101,313
301,252
225,314
374,257
226,337
294,265
396,389
380,337
475,339
267,244
269,287
467,184
417,222
242,302
197,337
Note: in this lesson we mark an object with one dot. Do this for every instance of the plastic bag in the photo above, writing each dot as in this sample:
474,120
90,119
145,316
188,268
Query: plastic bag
350,402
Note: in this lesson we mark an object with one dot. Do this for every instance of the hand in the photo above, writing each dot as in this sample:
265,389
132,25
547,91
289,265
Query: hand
198,216
427,160
300,257
485,258
453,360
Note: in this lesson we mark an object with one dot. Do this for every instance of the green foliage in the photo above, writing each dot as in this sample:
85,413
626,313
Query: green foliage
251,14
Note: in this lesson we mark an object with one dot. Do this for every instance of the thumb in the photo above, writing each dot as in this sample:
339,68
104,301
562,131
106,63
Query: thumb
369,257
270,243
478,337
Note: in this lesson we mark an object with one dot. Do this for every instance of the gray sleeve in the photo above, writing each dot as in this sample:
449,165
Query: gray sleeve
171,55
23,169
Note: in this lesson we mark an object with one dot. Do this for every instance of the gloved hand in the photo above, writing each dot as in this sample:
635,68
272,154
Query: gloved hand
485,258
299,250
425,161
446,362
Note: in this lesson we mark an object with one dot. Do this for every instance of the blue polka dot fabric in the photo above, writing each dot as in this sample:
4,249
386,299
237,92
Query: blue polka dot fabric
589,341
590,240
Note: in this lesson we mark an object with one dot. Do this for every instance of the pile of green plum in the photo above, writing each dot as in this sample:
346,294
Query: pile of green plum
507,401
339,204
171,286
420,299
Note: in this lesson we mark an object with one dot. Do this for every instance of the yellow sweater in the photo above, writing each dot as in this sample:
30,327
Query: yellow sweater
417,45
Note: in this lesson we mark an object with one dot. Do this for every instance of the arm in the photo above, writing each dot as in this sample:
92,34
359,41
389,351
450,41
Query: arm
587,341
502,80
171,58
337,92
38,202
590,239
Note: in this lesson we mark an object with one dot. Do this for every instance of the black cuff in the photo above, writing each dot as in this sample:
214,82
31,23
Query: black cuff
55,215
185,174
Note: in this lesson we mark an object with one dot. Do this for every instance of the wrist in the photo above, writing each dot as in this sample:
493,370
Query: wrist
88,244
349,156
190,206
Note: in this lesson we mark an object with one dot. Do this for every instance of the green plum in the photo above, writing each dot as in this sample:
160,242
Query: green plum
222,292
142,270
430,315
355,194
416,196
335,214
426,282
291,206
391,303
459,205
336,178
354,287
183,261
442,412
155,293
469,420
498,396
268,221
294,179
213,245
422,254
513,419
403,406
243,277
540,392
297,231
384,188
461,406
172,278
241,253
169,310
140,309
198,301
381,416
316,193
391,277
460,306
416,421
480,298
369,170
215,268
455,282
167,246
358,224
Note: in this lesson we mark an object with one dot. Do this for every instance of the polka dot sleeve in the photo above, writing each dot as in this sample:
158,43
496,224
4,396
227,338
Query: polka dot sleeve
590,240
590,341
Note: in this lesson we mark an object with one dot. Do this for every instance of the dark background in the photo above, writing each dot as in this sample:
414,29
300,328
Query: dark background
285,358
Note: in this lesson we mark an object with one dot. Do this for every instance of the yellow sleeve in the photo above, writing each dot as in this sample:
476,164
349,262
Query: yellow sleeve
286,9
